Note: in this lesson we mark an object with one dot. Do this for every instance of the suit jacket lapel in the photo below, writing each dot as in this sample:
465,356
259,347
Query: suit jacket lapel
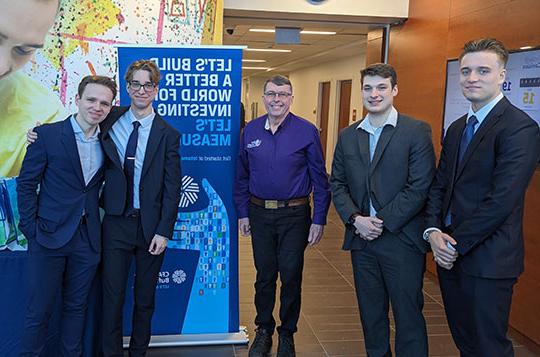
154,139
363,145
387,133
69,142
107,143
492,118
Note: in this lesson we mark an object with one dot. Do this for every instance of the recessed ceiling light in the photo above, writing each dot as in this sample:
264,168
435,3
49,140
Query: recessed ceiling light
304,32
307,32
260,68
254,60
266,50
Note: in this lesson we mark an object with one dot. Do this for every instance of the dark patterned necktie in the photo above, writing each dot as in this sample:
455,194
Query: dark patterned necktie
129,166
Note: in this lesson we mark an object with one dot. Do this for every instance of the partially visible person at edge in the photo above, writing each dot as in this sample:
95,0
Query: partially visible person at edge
280,164
23,27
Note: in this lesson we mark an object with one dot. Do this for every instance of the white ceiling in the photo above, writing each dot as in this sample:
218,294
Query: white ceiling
312,50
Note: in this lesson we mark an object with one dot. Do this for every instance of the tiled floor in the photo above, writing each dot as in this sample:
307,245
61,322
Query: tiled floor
329,324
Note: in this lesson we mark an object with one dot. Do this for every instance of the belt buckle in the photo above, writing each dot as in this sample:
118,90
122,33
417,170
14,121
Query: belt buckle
271,204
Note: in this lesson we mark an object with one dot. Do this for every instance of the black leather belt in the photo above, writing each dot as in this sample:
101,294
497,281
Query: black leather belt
275,204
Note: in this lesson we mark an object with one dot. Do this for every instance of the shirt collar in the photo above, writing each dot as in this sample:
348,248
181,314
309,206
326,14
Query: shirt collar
77,128
146,121
283,123
483,112
365,124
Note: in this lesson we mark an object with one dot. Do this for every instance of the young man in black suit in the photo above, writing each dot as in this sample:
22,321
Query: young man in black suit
475,206
140,198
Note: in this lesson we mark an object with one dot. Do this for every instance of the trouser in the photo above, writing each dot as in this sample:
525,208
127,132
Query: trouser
279,238
389,270
123,240
68,270
477,310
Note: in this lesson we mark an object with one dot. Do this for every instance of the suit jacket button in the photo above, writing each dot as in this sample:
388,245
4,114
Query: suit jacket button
140,188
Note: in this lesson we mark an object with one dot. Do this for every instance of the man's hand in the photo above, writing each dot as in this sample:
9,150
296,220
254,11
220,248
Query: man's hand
31,135
442,254
369,228
243,225
315,233
158,244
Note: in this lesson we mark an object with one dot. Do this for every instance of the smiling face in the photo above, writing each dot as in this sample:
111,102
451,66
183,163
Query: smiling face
378,94
23,27
94,104
277,100
481,76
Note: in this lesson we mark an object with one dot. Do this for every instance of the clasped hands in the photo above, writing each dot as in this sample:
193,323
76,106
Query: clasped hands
443,255
368,228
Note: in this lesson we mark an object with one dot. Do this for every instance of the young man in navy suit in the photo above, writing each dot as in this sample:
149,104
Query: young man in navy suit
475,207
58,189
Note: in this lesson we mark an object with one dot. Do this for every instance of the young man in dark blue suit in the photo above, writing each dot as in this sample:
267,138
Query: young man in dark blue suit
475,207
58,189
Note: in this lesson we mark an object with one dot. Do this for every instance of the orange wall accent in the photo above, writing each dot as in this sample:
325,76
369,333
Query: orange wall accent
435,32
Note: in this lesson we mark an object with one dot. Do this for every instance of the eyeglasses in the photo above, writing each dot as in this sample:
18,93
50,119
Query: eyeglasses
136,86
280,95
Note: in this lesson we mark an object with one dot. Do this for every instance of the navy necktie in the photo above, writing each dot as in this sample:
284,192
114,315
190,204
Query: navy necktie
467,136
129,166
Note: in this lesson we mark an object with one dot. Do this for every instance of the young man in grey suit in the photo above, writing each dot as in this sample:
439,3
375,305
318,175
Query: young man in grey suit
381,174
475,208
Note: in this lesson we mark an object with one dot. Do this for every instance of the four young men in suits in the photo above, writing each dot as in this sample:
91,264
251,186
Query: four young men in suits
381,174
58,192
475,208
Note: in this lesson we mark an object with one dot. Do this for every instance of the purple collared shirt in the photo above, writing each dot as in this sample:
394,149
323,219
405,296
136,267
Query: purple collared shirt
284,165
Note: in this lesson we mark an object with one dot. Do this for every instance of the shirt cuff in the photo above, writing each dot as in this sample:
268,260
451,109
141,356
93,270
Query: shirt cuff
428,231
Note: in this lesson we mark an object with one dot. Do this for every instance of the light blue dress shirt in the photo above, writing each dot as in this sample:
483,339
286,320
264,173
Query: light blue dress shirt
120,132
90,151
483,112
374,135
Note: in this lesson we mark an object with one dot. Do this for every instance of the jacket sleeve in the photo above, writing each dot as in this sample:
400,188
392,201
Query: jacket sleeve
32,170
172,183
341,193
408,202
517,155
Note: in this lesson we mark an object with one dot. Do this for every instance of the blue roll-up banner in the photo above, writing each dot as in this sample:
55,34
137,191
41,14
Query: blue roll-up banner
199,95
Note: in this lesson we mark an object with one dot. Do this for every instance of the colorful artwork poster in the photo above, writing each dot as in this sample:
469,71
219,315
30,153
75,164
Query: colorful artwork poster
82,42
199,95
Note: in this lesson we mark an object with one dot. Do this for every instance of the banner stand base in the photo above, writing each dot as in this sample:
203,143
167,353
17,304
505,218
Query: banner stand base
207,339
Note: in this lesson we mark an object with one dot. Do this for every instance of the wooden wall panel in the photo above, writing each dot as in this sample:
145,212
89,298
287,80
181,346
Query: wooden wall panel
419,50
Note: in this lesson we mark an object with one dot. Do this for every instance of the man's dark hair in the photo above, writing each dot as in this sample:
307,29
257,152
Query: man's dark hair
486,44
379,69
144,65
102,80
278,80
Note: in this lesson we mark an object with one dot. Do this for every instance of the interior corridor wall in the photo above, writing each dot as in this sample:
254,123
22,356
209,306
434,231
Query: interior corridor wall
306,93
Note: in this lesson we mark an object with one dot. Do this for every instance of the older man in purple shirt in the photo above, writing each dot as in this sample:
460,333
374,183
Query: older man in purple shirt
280,163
